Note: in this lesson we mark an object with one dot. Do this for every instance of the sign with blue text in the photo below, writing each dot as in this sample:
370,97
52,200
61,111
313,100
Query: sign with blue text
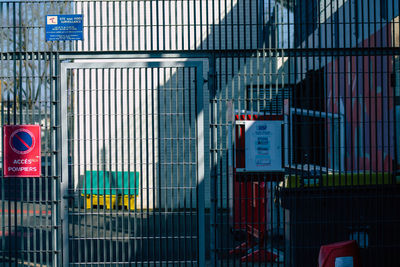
64,27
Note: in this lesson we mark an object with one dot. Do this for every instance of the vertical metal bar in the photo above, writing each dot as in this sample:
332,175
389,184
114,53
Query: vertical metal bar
73,144
174,72
207,25
17,103
345,97
98,153
56,174
85,163
235,111
29,182
363,58
194,26
183,26
200,162
162,34
104,95
140,107
114,26
89,141
192,182
53,149
108,165
29,111
154,85
369,71
120,25
375,75
135,228
102,26
162,25
350,88
150,239
25,119
213,26
76,244
187,183
201,45
227,121
386,99
116,162
96,16
170,24
111,72
63,162
107,24
130,185
124,184
188,17
163,155
88,5
179,182
160,87
9,109
145,44
326,100
219,148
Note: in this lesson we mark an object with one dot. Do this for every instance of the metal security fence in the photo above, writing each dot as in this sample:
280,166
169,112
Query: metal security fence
122,174
339,180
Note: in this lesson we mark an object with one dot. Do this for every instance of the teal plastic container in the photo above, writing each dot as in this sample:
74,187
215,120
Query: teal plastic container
111,183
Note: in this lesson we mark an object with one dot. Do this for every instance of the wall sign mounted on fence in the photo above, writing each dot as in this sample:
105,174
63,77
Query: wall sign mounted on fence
21,151
263,150
64,27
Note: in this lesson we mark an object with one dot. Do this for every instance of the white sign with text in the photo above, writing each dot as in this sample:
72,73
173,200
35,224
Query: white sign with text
263,141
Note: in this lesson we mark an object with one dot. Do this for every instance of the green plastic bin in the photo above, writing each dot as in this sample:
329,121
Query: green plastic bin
111,183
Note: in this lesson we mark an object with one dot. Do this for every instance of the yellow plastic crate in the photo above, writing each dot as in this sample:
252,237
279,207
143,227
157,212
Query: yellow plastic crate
120,201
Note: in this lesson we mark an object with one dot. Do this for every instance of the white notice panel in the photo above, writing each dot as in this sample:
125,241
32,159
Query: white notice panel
263,141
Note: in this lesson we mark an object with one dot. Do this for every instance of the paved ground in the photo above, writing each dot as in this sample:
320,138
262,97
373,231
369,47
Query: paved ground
100,235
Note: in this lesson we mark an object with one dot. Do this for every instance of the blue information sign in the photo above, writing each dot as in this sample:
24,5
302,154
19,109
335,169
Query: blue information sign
64,27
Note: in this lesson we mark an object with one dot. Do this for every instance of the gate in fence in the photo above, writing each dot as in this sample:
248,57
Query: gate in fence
133,162
202,133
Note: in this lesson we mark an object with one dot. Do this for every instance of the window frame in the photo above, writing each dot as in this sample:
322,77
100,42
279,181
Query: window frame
289,158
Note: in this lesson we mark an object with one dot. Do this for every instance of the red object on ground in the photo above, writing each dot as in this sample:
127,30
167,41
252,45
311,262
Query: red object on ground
263,255
339,254
242,248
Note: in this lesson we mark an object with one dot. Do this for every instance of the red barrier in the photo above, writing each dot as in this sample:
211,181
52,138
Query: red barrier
339,254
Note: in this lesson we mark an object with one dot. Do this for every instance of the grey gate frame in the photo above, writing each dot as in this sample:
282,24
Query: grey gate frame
66,62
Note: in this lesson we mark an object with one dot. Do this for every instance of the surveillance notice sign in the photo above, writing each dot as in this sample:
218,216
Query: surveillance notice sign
21,151
64,27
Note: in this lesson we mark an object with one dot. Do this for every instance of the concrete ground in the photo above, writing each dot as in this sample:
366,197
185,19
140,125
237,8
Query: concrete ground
164,238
